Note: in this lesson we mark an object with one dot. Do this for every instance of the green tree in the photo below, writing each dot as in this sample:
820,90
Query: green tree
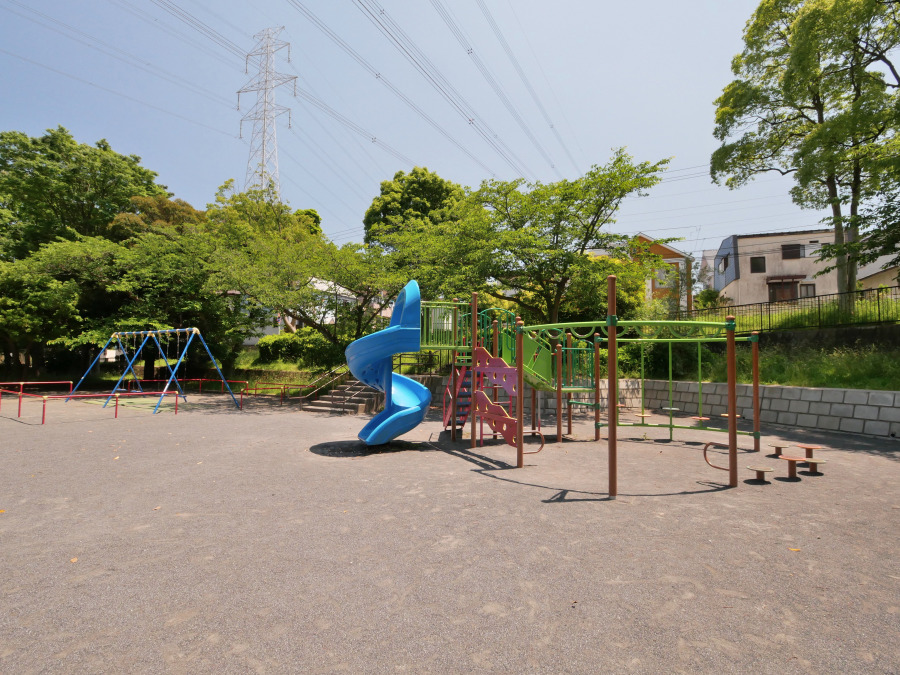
533,242
156,212
277,259
269,255
816,96
35,308
410,202
53,186
157,279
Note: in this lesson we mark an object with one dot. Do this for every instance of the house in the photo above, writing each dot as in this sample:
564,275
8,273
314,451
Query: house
707,268
780,266
668,279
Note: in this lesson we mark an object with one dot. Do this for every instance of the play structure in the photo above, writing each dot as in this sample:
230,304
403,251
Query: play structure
494,356
370,361
132,343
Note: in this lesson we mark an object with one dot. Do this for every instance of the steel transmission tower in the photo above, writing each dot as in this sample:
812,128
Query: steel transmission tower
262,166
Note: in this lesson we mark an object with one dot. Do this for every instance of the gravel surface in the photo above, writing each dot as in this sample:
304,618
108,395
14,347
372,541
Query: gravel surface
272,541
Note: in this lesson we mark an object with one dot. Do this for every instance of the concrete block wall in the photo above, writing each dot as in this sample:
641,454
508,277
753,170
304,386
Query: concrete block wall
876,413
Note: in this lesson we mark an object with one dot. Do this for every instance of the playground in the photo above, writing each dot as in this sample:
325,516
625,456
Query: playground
219,540
442,534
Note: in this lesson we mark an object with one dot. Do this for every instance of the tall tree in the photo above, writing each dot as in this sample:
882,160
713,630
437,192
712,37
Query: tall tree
34,309
410,202
54,186
816,96
533,240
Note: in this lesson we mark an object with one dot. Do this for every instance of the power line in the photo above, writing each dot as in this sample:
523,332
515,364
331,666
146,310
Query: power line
340,42
107,49
398,37
114,92
515,62
153,21
444,13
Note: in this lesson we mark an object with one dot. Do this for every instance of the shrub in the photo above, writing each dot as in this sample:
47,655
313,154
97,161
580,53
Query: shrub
306,347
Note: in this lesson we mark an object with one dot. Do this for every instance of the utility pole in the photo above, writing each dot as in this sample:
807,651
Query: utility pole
262,166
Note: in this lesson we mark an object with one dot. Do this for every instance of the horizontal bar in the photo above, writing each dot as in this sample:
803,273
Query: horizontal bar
155,332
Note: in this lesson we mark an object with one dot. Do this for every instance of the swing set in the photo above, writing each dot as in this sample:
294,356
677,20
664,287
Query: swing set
137,340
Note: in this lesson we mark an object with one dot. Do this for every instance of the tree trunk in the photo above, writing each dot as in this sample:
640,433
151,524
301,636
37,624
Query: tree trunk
10,357
846,301
149,364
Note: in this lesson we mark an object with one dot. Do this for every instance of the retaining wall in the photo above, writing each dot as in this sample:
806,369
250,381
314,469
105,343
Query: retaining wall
876,413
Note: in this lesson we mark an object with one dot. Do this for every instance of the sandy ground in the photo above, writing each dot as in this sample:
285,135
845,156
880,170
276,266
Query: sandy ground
272,541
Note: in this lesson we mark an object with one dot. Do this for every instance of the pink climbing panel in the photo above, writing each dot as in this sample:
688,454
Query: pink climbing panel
496,417
496,370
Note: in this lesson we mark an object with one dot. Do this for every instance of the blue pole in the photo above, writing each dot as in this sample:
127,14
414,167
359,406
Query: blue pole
166,359
127,368
125,352
91,367
224,381
172,377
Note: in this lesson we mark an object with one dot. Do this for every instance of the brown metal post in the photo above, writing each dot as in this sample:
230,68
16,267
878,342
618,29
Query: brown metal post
534,410
473,343
596,387
520,395
732,403
571,380
756,401
559,386
454,376
612,398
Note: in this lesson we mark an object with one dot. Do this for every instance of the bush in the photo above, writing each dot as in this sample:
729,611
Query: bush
306,347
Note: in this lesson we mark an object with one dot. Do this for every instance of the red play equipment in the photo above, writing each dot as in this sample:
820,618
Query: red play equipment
496,354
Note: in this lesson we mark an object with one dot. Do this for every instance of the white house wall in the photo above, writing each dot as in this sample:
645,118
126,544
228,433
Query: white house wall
750,287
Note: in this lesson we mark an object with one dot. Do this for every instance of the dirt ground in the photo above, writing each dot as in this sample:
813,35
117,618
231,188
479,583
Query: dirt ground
272,541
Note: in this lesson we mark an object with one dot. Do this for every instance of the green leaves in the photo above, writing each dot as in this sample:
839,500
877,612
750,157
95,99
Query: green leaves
534,238
56,187
816,96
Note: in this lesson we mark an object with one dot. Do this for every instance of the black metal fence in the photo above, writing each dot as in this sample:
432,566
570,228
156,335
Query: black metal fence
424,362
871,306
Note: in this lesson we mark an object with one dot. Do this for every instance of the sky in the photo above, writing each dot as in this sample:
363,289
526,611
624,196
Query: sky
567,83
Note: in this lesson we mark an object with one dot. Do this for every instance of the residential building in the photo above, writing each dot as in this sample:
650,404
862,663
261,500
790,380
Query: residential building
780,266
668,280
666,283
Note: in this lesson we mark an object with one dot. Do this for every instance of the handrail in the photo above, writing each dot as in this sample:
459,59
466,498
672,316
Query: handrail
335,373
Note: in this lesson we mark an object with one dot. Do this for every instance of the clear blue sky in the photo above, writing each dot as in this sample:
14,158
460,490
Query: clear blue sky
607,74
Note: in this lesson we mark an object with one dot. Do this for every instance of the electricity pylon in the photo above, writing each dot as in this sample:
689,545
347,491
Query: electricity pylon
262,166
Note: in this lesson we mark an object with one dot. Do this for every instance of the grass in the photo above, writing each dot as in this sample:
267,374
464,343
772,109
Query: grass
872,306
860,367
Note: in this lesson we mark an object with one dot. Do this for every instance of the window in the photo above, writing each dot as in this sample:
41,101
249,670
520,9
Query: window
791,251
664,277
723,264
758,265
782,291
807,290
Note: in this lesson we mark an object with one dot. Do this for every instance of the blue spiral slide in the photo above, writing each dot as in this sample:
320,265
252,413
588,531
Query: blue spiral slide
369,358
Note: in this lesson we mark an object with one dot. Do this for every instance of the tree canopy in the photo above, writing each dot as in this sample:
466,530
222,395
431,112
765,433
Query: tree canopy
530,241
410,202
54,186
816,96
